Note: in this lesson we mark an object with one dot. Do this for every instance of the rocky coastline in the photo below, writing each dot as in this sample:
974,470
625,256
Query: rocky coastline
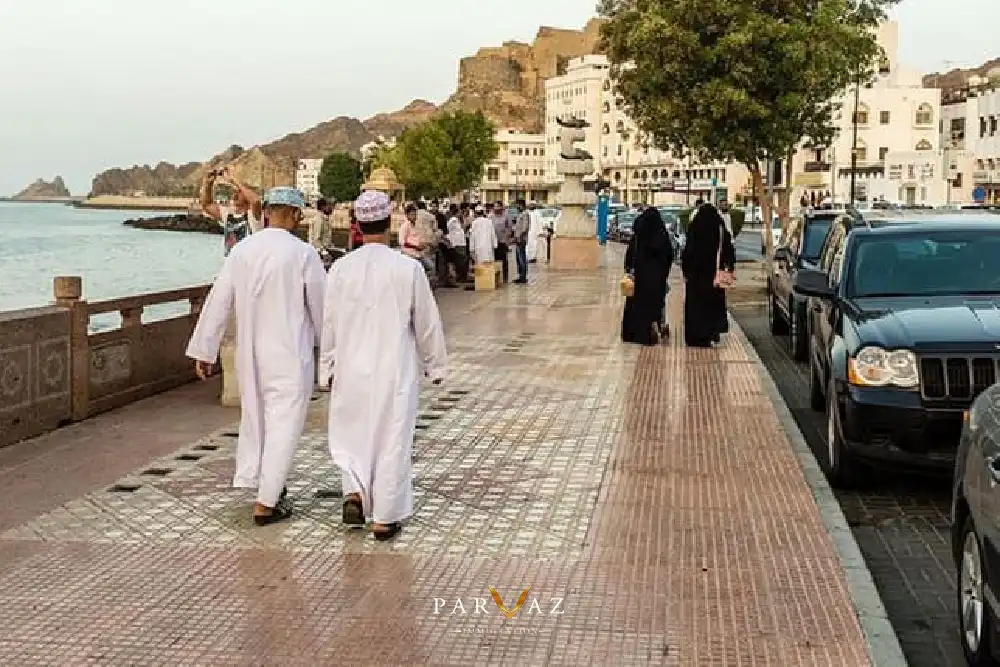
182,222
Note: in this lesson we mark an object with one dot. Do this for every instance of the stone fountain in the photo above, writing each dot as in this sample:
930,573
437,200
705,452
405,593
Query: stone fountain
575,245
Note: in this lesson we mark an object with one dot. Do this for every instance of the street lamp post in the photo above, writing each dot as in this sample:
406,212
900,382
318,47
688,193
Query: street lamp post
687,195
854,139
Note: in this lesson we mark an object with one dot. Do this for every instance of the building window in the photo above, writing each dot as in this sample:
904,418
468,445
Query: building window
607,106
982,126
993,125
925,114
606,129
607,85
883,117
882,151
619,150
604,151
861,152
492,174
861,115
924,145
620,127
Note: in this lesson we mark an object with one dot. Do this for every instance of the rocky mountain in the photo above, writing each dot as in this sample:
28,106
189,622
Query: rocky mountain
507,83
42,189
959,78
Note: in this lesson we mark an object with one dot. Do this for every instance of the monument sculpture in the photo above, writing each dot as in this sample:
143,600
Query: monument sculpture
575,245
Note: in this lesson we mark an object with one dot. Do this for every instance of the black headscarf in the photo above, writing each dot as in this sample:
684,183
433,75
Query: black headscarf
651,236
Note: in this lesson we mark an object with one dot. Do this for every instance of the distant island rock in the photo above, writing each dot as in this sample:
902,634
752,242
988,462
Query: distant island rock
44,190
182,222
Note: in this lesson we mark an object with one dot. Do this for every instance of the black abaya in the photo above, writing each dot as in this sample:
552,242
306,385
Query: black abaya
705,315
648,259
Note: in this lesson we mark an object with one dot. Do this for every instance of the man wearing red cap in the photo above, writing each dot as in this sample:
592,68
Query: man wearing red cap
381,333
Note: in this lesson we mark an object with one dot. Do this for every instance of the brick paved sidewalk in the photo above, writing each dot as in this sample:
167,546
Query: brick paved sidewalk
648,498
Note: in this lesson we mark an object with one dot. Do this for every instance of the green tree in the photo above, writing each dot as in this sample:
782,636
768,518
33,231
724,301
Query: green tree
340,177
739,81
442,156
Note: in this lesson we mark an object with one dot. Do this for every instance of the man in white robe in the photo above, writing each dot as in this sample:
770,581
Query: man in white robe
381,333
275,283
483,240
535,231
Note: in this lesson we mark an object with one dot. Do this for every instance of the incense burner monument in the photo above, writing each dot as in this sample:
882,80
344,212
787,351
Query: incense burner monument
575,245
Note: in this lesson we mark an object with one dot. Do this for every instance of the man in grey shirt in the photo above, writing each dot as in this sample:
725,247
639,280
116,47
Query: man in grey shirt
503,230
520,235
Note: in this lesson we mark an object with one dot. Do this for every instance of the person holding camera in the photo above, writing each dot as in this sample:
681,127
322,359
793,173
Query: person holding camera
241,217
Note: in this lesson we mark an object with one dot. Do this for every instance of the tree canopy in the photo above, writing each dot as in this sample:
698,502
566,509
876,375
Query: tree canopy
441,156
340,177
739,81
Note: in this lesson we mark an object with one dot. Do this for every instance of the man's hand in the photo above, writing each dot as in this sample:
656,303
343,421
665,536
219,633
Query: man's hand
204,370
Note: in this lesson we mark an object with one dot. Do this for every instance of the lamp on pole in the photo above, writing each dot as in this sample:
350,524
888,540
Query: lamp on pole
854,139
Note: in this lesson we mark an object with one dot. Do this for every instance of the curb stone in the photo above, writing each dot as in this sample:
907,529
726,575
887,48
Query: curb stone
883,645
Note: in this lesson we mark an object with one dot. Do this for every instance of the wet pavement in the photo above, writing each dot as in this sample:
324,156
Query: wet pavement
643,502
900,522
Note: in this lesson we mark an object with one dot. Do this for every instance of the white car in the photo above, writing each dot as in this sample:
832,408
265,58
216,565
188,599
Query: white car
776,234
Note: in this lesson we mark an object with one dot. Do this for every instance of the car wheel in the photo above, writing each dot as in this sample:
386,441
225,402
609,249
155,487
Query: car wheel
798,340
839,467
817,400
974,620
779,327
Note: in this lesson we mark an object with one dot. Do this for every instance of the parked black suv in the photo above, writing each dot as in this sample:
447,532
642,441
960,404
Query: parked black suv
975,529
800,249
905,333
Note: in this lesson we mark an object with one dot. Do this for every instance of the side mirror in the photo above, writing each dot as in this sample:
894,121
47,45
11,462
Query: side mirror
809,282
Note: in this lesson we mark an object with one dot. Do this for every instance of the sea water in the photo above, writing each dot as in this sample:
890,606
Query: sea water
41,241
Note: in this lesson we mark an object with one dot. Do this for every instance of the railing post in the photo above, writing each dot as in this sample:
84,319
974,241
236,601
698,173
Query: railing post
68,293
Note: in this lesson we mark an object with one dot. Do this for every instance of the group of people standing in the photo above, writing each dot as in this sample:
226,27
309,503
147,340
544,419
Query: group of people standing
450,243
708,250
378,329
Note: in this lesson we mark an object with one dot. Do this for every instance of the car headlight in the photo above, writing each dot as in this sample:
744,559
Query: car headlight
875,367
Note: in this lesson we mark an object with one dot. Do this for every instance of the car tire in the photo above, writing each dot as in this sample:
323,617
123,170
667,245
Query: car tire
975,623
798,337
840,468
817,400
779,327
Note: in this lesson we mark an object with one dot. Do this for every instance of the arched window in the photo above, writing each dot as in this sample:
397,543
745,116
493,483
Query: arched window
618,176
645,176
924,145
925,114
606,129
636,175
656,175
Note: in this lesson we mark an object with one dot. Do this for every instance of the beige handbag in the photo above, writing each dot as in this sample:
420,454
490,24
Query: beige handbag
627,286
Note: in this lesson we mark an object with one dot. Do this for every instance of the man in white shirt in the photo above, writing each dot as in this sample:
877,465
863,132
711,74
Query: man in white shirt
382,333
457,245
483,240
274,282
241,217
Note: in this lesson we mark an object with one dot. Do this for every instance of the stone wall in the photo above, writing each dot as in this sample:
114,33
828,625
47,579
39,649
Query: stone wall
54,370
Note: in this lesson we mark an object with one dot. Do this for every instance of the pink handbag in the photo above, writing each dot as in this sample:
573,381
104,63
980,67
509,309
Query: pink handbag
723,279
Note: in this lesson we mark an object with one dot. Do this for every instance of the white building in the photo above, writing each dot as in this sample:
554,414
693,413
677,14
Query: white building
307,177
970,135
637,170
519,171
898,140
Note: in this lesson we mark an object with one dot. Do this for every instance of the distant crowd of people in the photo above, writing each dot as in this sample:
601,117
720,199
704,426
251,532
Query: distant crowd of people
708,261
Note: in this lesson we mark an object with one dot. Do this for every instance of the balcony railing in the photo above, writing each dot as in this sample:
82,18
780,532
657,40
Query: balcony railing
986,177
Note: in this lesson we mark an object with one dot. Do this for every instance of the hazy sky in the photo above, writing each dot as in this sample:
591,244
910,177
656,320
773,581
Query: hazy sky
90,84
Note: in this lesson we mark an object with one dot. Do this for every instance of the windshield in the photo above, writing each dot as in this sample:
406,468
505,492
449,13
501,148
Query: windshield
927,263
812,239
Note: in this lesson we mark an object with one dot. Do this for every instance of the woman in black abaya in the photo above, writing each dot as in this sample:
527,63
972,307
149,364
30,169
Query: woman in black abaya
704,304
648,260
